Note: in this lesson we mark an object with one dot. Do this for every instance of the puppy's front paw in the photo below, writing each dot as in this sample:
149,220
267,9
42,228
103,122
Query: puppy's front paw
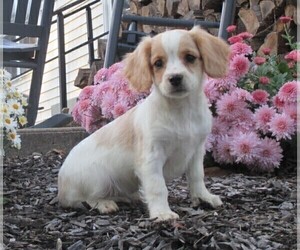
105,206
213,200
163,216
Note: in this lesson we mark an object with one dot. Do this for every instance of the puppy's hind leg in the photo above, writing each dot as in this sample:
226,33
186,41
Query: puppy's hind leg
104,206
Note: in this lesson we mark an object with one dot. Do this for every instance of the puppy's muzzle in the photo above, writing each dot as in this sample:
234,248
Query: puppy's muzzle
176,80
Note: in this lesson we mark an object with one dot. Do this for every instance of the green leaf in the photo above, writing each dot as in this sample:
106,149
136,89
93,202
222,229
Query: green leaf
283,67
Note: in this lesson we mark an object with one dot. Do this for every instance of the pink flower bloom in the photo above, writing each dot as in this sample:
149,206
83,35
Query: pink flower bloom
231,28
84,105
239,65
270,154
235,39
76,114
282,126
100,76
258,60
222,150
242,94
264,80
244,147
285,19
260,96
245,35
263,116
243,121
86,92
278,103
229,107
291,111
219,127
288,92
119,109
214,88
266,51
294,55
240,49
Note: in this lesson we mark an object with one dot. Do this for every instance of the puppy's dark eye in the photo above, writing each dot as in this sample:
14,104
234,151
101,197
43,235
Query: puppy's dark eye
190,58
158,64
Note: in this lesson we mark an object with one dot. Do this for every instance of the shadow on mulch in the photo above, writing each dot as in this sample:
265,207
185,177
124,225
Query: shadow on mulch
259,212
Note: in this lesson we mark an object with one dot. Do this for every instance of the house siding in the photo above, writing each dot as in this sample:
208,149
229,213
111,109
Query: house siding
75,33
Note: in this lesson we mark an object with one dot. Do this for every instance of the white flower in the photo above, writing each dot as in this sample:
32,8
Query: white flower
15,107
14,138
9,123
11,110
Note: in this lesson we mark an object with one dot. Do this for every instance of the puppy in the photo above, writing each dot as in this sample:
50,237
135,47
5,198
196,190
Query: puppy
159,139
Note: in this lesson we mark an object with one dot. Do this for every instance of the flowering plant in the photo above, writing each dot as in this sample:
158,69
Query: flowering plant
108,98
254,105
11,111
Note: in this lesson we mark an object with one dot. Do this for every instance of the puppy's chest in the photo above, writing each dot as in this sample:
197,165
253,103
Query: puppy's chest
179,145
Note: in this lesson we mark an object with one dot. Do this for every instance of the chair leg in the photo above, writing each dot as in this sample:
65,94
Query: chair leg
112,41
227,17
34,95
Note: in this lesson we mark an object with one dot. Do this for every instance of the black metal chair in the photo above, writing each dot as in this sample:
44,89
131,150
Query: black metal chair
27,19
132,36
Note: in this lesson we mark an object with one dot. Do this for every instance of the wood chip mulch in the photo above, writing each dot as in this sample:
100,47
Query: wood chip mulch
259,212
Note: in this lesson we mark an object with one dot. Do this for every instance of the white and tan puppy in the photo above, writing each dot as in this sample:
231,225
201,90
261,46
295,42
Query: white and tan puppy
158,140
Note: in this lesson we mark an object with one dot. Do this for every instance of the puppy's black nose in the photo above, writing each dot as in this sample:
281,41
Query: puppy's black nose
175,80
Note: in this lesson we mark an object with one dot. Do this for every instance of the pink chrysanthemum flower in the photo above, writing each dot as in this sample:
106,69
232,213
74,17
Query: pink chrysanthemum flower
214,87
219,127
240,49
84,105
263,116
282,126
244,147
258,60
115,68
245,35
260,96
266,51
269,155
211,92
119,109
278,103
239,65
294,55
264,80
229,107
285,19
76,113
291,111
231,28
242,94
288,92
100,76
222,151
209,142
86,92
243,121
235,39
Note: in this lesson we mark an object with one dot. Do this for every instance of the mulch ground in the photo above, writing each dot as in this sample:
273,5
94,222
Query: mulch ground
259,212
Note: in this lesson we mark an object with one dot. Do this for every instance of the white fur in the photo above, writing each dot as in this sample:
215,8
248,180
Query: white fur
165,138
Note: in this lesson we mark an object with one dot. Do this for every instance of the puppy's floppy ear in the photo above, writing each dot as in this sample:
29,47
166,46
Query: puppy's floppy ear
214,52
137,66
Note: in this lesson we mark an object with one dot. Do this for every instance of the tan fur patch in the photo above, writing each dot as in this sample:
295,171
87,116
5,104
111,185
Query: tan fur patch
158,53
120,132
188,47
